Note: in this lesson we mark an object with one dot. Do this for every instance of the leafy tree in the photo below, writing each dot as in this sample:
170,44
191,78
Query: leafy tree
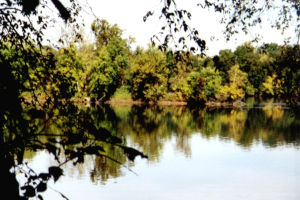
267,62
271,49
245,56
238,81
68,58
68,71
171,66
237,77
288,63
197,84
272,86
248,59
181,88
212,82
179,70
87,56
103,78
208,62
105,32
205,84
62,84
270,56
224,61
149,75
107,73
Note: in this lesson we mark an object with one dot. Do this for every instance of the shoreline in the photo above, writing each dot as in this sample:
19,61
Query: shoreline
209,104
139,102
164,102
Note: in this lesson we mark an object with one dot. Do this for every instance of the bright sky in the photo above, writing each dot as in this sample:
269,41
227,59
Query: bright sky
128,14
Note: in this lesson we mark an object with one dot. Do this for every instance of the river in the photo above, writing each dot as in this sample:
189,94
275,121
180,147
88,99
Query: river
230,154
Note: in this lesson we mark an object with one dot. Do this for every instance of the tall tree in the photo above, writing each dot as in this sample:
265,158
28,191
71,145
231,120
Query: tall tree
238,81
248,60
106,74
224,61
105,32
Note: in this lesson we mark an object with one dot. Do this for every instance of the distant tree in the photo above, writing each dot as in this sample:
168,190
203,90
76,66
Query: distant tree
269,48
178,72
269,54
107,73
245,56
238,81
273,86
149,75
289,69
212,81
105,32
103,78
205,84
68,57
224,61
267,63
237,77
248,60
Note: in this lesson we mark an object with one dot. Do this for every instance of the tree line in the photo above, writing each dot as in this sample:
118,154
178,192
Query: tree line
95,70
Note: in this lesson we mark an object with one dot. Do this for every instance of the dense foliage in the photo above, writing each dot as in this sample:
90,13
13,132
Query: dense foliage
148,75
97,69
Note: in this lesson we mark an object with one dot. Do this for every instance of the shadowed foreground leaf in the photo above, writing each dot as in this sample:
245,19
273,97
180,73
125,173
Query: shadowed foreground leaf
40,197
44,176
56,172
29,191
42,187
132,153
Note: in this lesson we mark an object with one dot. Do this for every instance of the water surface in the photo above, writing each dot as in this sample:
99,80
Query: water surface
251,153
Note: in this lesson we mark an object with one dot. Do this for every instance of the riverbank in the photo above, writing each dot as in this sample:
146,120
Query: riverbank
138,102
234,104
128,101
211,104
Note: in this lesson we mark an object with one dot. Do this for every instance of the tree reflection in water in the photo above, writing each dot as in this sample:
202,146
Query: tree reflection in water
97,138
148,128
68,133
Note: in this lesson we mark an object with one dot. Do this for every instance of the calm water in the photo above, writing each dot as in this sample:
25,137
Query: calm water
211,154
